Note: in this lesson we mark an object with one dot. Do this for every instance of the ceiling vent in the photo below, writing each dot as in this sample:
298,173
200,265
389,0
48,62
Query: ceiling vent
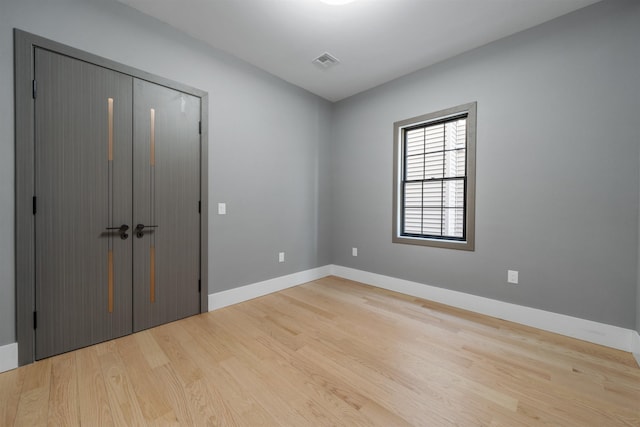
326,60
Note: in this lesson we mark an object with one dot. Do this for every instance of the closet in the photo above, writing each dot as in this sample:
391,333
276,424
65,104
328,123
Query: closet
117,207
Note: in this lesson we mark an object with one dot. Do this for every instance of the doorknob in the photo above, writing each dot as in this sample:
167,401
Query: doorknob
122,230
140,229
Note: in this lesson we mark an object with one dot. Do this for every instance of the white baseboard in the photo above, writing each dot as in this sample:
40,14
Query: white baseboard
636,346
587,330
8,357
9,352
244,293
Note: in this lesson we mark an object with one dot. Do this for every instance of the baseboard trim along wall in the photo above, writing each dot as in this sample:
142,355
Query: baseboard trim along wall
636,346
599,333
244,293
586,330
8,357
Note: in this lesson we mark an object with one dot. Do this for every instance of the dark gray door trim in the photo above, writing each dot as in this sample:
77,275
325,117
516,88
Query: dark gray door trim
24,46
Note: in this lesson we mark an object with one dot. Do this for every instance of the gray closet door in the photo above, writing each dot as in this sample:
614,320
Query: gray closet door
166,199
83,116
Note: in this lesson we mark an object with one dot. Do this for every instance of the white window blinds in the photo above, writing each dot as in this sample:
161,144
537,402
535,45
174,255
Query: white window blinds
434,179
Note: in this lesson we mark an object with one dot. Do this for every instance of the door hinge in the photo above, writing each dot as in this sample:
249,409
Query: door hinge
35,320
199,206
34,88
199,286
200,128
35,205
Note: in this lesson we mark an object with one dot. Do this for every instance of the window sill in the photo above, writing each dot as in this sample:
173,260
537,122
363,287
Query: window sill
436,243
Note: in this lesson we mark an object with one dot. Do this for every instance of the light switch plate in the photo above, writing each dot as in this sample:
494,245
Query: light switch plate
512,276
222,208
281,257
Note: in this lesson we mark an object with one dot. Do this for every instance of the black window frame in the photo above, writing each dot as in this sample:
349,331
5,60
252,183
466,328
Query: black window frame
401,128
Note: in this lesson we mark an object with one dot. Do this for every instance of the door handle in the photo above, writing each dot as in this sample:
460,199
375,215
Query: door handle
122,230
140,229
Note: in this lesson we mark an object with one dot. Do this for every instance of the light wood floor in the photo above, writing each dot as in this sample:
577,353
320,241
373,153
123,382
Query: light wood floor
330,352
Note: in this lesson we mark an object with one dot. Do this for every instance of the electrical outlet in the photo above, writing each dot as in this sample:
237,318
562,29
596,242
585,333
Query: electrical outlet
512,276
354,251
281,257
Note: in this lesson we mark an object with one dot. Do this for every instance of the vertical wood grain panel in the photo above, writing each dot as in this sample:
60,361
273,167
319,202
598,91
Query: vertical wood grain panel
81,300
167,187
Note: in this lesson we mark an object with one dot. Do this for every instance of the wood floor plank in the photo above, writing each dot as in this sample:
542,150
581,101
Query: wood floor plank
311,390
330,352
10,387
152,352
34,396
150,398
262,392
172,346
124,405
207,406
167,380
262,360
93,399
64,399
204,396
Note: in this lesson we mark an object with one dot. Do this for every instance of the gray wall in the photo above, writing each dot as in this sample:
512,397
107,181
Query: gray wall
558,162
268,141
557,167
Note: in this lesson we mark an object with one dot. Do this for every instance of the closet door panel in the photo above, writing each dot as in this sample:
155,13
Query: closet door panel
166,205
83,144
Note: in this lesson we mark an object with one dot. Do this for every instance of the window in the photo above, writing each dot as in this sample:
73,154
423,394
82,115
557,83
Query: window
434,179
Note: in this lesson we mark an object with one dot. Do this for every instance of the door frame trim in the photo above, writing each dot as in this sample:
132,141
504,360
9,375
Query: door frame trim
24,68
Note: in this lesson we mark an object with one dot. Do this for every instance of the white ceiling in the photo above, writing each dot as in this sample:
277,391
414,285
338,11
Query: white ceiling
375,40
